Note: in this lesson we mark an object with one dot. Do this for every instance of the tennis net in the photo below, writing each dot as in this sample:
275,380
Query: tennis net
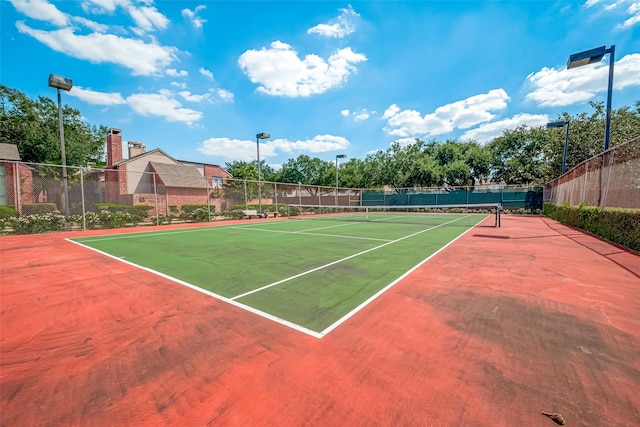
411,214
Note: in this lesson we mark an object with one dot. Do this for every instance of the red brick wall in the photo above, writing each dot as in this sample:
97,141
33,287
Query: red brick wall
25,183
114,147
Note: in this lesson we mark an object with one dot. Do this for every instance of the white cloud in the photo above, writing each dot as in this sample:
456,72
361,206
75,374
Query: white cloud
631,13
142,58
188,96
317,144
175,73
41,10
101,6
234,149
208,74
97,98
191,15
211,96
92,25
245,150
224,95
634,11
364,114
339,27
148,18
556,88
280,72
163,105
461,114
489,131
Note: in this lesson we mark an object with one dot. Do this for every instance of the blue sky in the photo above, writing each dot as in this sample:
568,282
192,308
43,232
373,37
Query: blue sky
199,79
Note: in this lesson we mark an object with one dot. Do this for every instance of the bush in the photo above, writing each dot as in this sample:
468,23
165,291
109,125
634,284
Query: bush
292,210
199,215
114,219
237,214
196,213
621,226
8,212
91,220
38,223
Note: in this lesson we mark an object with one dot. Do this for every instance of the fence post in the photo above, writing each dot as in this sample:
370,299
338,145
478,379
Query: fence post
275,192
609,160
84,220
246,200
206,181
299,194
584,181
155,198
18,189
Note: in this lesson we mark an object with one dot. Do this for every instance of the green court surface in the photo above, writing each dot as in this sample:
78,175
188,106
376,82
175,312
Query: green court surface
307,274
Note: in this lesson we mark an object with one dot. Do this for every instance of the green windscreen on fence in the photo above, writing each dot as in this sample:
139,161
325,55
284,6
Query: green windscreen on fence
508,197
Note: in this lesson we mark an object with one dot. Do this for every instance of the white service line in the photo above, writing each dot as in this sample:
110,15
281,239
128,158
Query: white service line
343,259
312,234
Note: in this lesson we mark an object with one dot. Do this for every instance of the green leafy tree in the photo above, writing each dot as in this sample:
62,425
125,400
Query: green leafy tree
33,126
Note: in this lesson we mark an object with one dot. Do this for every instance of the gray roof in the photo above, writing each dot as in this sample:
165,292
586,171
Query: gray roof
183,176
9,152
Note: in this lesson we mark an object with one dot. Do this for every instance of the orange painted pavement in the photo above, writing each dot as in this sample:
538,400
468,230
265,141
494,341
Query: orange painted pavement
503,324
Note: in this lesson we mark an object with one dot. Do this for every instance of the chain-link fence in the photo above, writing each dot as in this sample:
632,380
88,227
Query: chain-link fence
159,194
610,179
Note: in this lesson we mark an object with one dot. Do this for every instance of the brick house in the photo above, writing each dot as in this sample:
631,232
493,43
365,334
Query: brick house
16,180
156,179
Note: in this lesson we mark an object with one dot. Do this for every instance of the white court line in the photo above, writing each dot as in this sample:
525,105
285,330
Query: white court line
386,288
343,259
211,294
313,234
271,317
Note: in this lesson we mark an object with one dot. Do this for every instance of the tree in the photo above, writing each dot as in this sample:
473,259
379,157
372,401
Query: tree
33,126
516,157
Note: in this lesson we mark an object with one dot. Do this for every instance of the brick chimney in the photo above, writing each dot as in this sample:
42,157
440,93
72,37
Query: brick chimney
114,147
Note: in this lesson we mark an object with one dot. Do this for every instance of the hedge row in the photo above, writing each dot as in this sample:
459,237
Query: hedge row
621,226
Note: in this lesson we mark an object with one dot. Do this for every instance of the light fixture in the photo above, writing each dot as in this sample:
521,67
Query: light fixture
592,56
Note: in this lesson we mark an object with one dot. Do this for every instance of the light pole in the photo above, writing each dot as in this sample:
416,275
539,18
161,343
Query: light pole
592,56
566,140
63,83
261,135
338,156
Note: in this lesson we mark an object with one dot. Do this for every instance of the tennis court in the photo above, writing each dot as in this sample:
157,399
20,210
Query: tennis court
310,273
496,328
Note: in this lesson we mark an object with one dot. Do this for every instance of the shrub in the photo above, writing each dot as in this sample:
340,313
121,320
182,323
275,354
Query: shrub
199,215
189,212
38,223
7,212
114,219
621,226
237,214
